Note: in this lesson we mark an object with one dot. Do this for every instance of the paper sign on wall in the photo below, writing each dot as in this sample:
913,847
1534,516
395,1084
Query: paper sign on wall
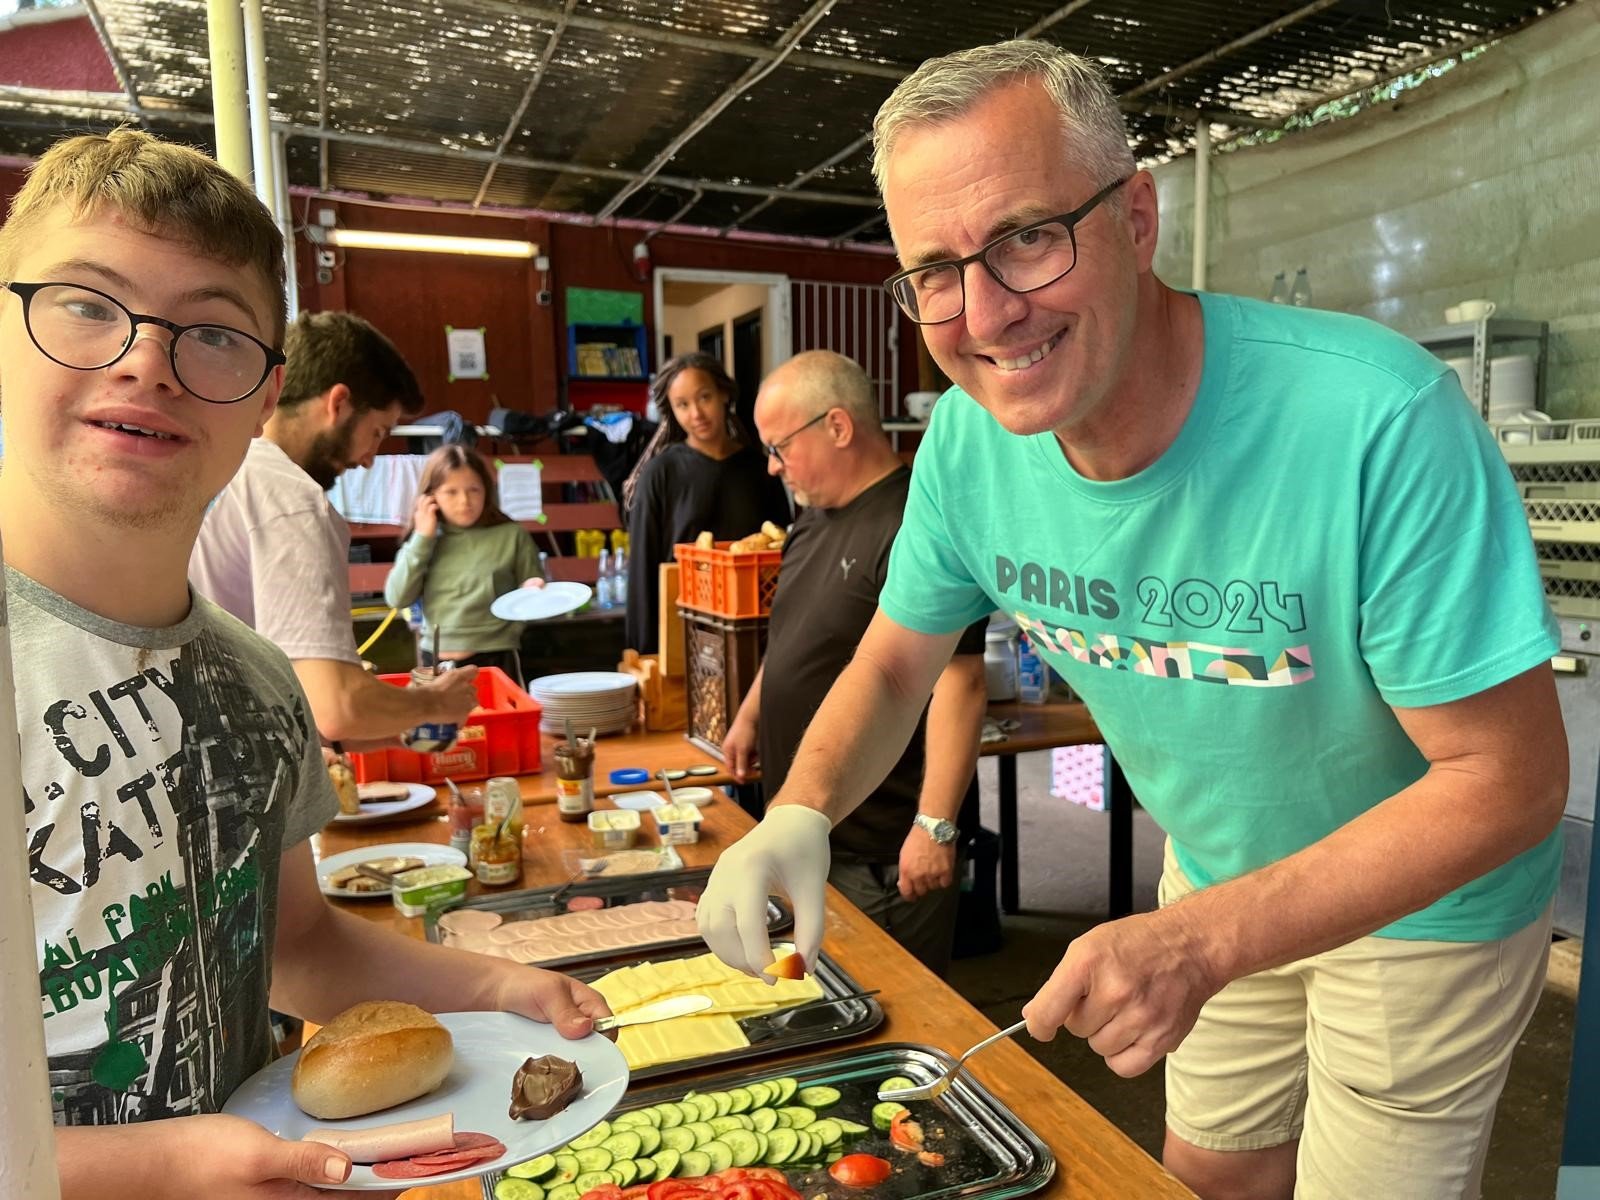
468,358
520,495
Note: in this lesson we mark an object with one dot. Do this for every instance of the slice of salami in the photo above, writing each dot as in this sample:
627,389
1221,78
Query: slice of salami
404,1168
470,1141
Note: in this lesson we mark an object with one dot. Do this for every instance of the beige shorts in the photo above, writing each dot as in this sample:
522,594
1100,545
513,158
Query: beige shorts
1385,1058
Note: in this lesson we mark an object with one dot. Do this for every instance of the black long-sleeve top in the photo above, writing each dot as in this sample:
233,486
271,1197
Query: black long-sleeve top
682,492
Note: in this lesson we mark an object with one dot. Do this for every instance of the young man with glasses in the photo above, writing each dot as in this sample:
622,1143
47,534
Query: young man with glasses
896,856
275,554
1285,566
171,771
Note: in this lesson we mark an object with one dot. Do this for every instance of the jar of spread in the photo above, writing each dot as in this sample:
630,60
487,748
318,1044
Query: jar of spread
496,851
506,786
575,780
432,737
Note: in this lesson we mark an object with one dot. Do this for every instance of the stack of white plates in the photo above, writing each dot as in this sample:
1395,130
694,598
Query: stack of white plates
598,700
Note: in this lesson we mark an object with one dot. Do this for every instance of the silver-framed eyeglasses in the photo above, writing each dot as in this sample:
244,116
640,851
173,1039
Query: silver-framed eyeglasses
1024,260
86,329
775,449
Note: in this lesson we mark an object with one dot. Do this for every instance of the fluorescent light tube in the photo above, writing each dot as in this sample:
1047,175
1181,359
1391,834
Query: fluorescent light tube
377,239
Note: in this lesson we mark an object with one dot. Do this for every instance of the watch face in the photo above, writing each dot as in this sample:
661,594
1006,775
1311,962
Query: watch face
938,829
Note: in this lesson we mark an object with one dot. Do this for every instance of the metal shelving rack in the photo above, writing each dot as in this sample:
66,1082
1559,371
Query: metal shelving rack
1483,336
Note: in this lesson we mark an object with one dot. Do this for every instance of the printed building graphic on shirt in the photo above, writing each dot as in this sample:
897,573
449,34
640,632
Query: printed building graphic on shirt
156,827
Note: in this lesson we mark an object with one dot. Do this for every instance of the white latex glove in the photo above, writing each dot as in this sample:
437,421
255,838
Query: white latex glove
786,852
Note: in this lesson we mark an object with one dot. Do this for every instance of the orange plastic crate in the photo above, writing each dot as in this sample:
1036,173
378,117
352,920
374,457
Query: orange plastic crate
501,737
726,584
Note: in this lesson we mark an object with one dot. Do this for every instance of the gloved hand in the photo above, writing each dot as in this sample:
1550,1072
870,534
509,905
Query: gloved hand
787,852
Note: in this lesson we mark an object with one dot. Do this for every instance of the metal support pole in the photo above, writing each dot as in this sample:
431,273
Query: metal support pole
280,176
27,1138
229,96
255,44
1202,202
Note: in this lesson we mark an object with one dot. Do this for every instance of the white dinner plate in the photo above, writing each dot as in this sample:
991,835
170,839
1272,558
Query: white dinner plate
489,1047
540,604
432,854
417,795
582,683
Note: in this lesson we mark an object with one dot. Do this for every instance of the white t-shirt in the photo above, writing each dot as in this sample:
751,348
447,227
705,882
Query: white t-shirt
165,771
275,554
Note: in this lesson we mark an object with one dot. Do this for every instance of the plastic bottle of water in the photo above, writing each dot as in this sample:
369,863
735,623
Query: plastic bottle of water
602,581
1280,289
1033,679
619,579
1300,293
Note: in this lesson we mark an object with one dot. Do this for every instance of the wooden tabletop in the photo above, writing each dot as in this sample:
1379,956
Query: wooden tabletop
1095,1160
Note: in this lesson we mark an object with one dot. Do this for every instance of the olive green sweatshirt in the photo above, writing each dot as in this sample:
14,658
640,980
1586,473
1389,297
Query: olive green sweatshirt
457,574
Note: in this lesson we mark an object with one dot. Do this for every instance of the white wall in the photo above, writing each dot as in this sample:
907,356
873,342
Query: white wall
684,323
1484,182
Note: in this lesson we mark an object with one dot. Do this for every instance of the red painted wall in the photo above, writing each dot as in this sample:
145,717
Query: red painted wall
66,55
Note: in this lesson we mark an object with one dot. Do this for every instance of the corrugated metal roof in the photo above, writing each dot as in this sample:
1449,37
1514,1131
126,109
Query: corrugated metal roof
417,96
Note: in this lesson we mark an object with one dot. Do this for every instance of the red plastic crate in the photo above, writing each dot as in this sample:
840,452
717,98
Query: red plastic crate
725,584
501,738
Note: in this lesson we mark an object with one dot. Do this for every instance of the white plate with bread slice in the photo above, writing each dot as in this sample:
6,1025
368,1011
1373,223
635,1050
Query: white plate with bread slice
460,1065
337,875
383,799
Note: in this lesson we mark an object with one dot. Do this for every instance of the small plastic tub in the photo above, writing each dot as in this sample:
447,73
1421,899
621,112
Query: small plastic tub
416,892
613,828
678,824
693,795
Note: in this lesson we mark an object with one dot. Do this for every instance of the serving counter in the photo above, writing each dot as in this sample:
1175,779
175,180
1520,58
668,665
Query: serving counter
1095,1160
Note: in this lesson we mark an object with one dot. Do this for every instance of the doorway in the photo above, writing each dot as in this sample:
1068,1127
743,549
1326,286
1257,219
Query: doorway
740,317
747,363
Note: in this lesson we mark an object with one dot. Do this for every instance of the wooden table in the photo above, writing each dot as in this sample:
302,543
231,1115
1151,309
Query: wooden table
1095,1160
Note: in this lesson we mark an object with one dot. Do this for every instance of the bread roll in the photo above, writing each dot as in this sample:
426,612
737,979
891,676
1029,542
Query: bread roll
371,1057
344,786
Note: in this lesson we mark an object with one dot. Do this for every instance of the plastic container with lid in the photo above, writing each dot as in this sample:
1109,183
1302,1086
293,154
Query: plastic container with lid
678,824
613,828
415,892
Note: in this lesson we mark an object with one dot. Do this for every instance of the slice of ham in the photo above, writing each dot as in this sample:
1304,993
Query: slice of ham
384,1142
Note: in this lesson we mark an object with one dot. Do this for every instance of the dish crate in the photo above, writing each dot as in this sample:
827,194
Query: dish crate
500,737
725,584
721,658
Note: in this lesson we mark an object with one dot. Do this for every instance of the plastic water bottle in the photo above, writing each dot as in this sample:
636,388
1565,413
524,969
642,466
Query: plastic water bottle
1280,289
1033,680
602,581
1300,293
619,579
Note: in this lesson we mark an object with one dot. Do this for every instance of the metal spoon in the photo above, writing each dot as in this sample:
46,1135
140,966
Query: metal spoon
927,1091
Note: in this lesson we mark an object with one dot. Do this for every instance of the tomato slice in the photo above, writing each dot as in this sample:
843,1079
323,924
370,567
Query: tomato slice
675,1189
769,1173
606,1191
860,1170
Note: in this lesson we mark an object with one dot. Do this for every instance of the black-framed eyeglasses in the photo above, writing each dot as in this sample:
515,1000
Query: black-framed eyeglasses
86,329
1024,260
775,449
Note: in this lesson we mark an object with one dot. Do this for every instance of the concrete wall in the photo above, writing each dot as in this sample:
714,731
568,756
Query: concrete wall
1484,182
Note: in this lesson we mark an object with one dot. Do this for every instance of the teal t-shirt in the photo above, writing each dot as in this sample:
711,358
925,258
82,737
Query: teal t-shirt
1332,533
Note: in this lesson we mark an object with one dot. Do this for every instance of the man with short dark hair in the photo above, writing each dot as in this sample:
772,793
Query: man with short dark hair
896,856
275,554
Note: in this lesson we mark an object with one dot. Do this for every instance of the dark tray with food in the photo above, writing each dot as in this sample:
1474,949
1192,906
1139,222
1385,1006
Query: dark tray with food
814,1130
585,921
827,1006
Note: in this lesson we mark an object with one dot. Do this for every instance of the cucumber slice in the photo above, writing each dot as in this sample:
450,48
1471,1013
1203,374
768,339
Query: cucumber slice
649,1116
679,1139
827,1130
787,1086
782,1119
818,1097
513,1188
593,1158
567,1168
764,1120
763,1143
720,1154
649,1140
593,1138
849,1128
896,1083
590,1180
671,1115
739,1100
724,1103
647,1169
723,1124
883,1114
743,1145
691,1111
624,1171
833,1157
534,1168
782,1145
627,1120
623,1145
799,1116
666,1163
564,1191
706,1105
695,1164
761,1094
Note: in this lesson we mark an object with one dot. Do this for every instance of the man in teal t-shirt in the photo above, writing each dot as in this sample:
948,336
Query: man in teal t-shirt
1282,561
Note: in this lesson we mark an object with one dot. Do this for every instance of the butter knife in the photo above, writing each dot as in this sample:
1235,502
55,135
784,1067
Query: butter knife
660,1010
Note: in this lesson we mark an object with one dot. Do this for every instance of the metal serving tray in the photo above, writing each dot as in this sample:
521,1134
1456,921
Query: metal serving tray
989,1152
537,903
811,1027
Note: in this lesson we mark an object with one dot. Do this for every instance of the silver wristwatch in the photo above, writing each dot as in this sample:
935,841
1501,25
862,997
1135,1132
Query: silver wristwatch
940,830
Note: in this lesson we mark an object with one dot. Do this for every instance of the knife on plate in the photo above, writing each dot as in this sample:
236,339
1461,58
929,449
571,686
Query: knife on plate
660,1010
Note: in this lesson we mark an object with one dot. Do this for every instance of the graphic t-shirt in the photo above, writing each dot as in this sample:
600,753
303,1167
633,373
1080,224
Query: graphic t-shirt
1333,532
834,564
164,773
